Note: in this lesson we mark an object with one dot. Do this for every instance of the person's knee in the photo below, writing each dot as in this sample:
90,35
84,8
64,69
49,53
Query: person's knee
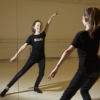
83,90
41,75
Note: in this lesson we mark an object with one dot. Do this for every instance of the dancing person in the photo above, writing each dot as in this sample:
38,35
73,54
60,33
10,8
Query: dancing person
37,41
87,43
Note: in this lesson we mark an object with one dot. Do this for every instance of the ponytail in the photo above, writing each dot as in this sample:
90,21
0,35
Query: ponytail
93,15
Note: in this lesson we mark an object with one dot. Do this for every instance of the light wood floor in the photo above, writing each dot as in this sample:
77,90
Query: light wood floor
52,89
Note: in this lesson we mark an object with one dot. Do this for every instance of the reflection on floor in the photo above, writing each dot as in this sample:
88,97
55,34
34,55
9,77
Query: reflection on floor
52,89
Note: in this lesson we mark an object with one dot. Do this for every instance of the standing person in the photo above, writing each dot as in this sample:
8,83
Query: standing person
87,44
37,41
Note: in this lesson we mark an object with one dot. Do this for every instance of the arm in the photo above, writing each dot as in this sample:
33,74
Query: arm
49,21
65,55
21,49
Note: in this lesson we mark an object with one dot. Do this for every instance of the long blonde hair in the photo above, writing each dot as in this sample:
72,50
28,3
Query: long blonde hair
93,15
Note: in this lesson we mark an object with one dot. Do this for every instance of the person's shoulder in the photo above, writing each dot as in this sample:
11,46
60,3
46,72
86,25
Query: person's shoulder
30,36
43,33
80,33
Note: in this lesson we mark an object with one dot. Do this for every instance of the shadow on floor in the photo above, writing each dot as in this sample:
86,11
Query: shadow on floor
96,99
54,87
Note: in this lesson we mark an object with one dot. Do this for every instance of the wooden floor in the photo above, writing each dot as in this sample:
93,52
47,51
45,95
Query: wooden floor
52,89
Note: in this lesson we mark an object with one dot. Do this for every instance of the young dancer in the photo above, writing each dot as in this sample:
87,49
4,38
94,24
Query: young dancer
37,41
87,44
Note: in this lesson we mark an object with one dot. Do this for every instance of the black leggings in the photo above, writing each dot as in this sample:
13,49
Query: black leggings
80,80
28,65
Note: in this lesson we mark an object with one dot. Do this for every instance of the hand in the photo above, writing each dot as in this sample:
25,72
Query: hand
12,59
55,14
52,74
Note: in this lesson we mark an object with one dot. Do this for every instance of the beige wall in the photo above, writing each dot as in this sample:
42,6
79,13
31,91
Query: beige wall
17,16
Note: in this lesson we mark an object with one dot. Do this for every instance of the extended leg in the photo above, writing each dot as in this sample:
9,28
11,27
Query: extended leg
77,81
17,76
88,84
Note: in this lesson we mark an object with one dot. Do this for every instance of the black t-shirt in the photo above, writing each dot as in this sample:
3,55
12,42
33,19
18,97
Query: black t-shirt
37,42
87,49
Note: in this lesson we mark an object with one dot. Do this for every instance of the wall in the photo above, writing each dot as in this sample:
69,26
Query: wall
17,16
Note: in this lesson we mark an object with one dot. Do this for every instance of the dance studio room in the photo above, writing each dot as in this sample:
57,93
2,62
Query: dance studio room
60,21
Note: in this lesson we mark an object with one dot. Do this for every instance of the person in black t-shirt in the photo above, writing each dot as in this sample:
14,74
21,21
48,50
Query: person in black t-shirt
87,43
37,41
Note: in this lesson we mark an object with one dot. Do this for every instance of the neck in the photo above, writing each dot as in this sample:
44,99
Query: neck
88,28
37,33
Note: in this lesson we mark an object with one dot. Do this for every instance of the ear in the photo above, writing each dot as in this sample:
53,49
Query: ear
86,19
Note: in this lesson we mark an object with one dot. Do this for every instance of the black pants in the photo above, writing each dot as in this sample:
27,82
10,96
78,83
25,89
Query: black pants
80,80
27,66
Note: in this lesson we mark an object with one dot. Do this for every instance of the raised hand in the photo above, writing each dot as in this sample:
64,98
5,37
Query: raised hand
55,14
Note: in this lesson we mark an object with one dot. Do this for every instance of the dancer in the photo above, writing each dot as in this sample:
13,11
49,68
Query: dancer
87,44
37,41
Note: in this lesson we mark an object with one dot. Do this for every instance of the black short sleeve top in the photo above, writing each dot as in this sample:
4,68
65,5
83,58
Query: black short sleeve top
37,42
85,45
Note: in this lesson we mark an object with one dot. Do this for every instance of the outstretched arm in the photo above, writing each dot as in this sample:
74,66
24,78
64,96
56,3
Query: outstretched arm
21,49
65,55
49,21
